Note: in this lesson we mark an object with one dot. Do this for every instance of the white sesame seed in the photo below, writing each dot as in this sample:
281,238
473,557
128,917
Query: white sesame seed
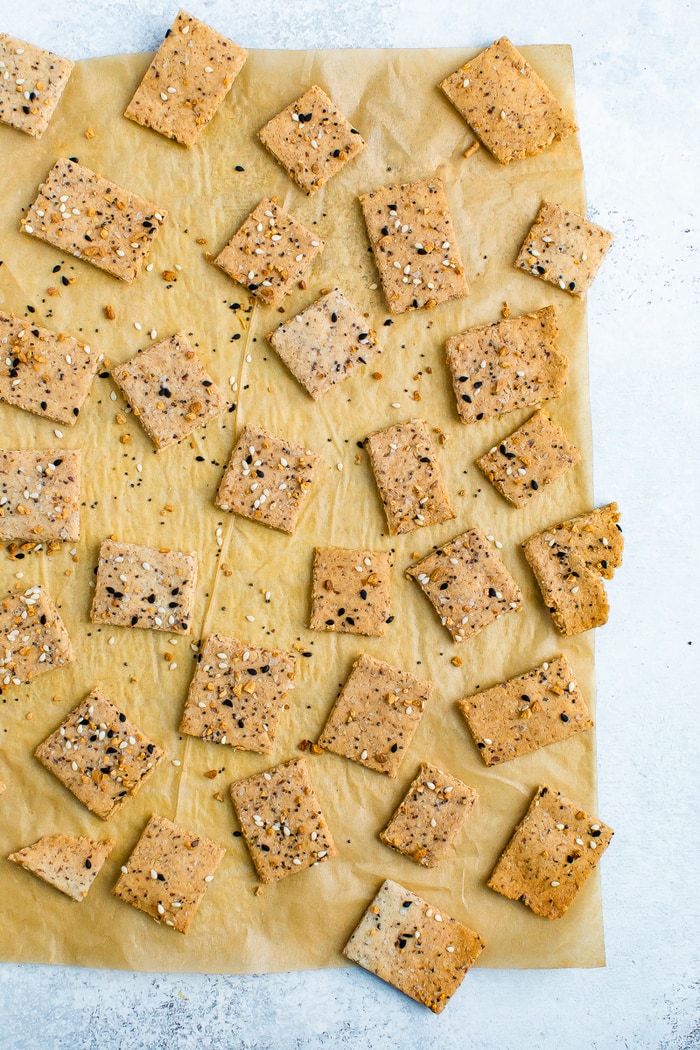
554,882
154,873
363,755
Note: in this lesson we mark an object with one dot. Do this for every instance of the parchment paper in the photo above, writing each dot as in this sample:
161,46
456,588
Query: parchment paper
412,132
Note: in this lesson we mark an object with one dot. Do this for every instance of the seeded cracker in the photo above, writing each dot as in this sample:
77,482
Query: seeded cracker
376,715
68,862
324,343
99,755
237,694
40,495
430,816
32,81
507,365
351,591
144,587
33,637
269,253
564,249
519,716
85,215
552,852
168,873
188,79
281,821
414,946
414,244
170,390
507,104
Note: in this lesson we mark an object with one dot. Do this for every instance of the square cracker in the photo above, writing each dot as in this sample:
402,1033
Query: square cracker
507,104
237,694
44,372
554,849
532,457
535,709
70,863
147,587
33,637
190,75
267,479
168,873
507,365
414,946
86,215
414,243
324,343
408,477
467,583
169,390
311,139
281,821
269,253
433,811
40,495
564,249
32,81
351,591
374,719
99,755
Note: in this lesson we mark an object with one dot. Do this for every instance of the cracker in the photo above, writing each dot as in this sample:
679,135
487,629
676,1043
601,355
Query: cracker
281,821
40,495
432,813
169,390
269,253
190,75
532,457
237,694
323,344
414,946
467,583
168,873
564,249
86,215
351,591
99,755
552,852
507,104
374,719
32,81
147,587
408,477
43,372
70,863
511,364
33,637
311,139
535,709
414,244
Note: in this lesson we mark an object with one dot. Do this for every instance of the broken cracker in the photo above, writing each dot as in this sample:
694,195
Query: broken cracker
33,637
351,591
32,81
564,249
431,814
70,863
40,495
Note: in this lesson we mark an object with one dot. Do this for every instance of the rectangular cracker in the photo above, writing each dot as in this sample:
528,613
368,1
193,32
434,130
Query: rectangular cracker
237,694
40,494
414,946
507,104
467,583
100,755
33,637
414,243
281,821
564,249
511,364
324,343
269,253
147,587
86,215
430,816
169,872
554,849
519,716
70,863
408,477
190,75
267,479
351,591
376,715
32,81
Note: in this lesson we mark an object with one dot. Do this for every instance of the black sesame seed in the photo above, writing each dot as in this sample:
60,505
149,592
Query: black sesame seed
534,485
564,717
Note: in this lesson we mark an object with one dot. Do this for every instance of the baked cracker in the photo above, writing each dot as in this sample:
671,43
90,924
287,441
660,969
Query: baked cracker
431,814
40,495
70,863
33,637
32,81
564,249
351,591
